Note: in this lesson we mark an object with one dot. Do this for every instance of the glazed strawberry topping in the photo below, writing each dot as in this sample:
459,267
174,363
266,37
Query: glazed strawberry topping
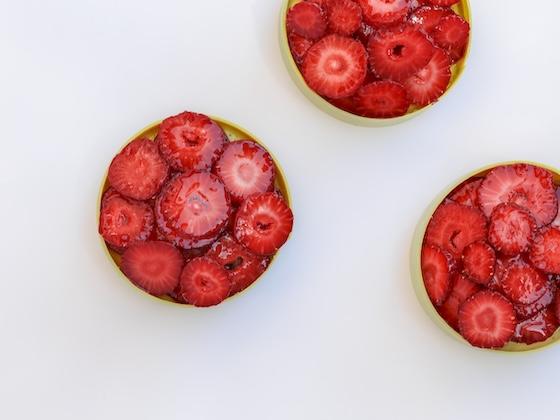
467,193
383,99
451,32
426,18
437,269
538,328
527,311
523,284
511,229
442,2
462,289
204,283
545,251
479,261
307,19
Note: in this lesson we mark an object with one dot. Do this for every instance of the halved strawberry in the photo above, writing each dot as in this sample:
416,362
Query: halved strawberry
138,171
384,99
426,18
124,221
545,251
263,223
437,268
487,320
479,261
454,226
528,186
299,46
536,329
192,210
384,12
462,289
307,19
556,222
245,168
190,141
442,2
523,284
345,16
511,229
335,67
204,283
399,53
527,311
154,266
430,82
452,34
467,193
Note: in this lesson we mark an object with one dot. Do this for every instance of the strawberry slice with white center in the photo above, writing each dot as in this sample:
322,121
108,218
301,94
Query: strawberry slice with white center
307,19
487,320
437,268
245,168
467,193
538,328
399,53
523,284
384,99
430,82
545,251
530,187
511,229
463,288
263,223
384,12
452,34
154,266
479,261
299,46
203,283
345,16
426,18
335,67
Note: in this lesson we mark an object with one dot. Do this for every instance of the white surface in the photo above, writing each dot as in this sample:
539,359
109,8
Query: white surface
334,330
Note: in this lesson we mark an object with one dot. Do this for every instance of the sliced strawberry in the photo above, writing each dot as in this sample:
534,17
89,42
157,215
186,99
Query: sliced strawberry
511,229
245,168
523,284
428,84
442,2
437,268
307,19
192,210
154,266
454,226
462,289
243,266
487,320
385,99
556,222
545,251
124,221
364,33
502,263
538,328
527,311
399,53
299,46
452,34
191,254
557,304
335,66
479,261
467,193
204,283
346,104
345,16
426,18
138,171
263,223
190,141
384,12
528,186
322,3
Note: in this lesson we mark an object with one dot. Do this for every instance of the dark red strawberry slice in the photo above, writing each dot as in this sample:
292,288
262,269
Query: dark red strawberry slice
487,320
138,171
428,84
345,16
536,329
452,34
385,99
556,222
557,304
263,223
192,210
154,266
426,18
204,283
399,53
462,289
245,168
364,33
523,284
545,251
467,193
307,19
528,186
454,226
346,104
243,266
335,67
384,12
191,254
527,311
437,268
502,263
190,141
479,261
511,229
442,2
299,46
124,221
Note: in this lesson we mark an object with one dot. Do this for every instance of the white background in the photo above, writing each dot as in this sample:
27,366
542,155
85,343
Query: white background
334,330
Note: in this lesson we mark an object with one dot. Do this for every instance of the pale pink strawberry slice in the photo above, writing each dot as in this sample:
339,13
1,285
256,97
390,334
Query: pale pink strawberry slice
430,82
536,329
487,320
442,2
399,53
154,266
452,34
299,46
523,284
204,283
479,262
384,99
245,168
545,251
528,186
462,289
467,193
335,67
511,229
527,311
437,269
345,16
426,18
384,12
307,19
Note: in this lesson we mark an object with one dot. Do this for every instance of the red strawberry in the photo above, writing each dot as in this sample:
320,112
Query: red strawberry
364,33
124,221
321,3
154,266
462,289
523,284
527,311
299,46
345,16
426,18
346,104
263,223
437,268
335,66
138,171
245,168
467,193
307,19
191,254
528,186
385,99
536,329
479,261
192,210
429,83
384,12
511,229
487,320
399,53
190,141
454,226
556,222
442,2
204,283
557,304
452,34
243,266
500,270
545,251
